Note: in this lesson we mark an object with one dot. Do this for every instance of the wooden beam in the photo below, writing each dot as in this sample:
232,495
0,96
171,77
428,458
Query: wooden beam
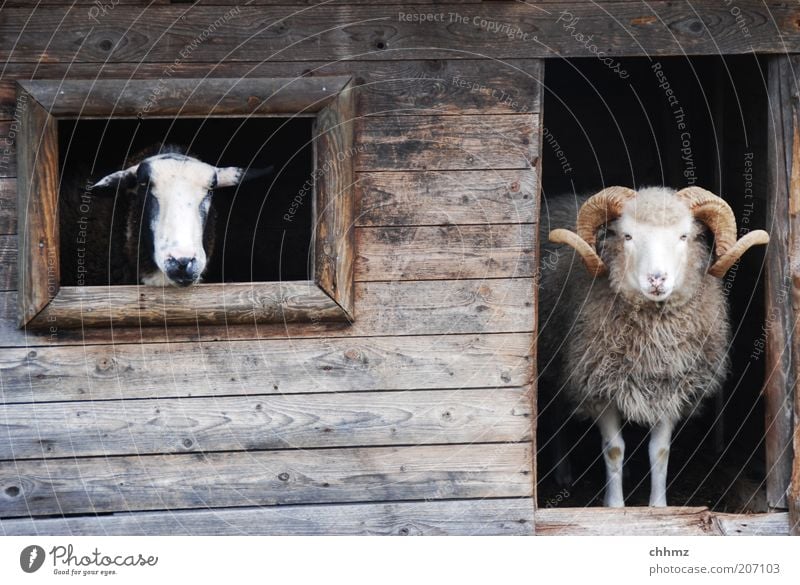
207,480
279,366
232,423
781,342
454,517
496,30
209,304
624,522
184,97
772,524
334,246
37,208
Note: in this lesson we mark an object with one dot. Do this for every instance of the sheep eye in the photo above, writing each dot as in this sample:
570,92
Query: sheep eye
684,237
628,237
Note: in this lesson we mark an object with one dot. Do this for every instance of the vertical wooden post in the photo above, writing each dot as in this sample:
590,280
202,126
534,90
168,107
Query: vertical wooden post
782,281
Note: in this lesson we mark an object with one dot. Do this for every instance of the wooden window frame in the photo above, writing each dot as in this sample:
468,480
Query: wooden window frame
43,303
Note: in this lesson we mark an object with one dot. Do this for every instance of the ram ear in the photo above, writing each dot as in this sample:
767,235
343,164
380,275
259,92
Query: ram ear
124,178
230,176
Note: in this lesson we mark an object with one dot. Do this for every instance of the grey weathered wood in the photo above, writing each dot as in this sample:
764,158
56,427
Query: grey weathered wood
333,32
81,429
455,517
393,143
185,97
385,308
625,522
780,373
335,200
264,367
772,524
446,198
8,263
155,482
212,304
430,252
8,206
409,87
8,150
37,202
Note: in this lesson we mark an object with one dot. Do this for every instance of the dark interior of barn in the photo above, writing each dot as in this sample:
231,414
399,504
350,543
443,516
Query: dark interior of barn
709,129
263,227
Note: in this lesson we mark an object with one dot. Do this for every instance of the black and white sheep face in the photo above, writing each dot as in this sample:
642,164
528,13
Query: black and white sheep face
655,240
177,191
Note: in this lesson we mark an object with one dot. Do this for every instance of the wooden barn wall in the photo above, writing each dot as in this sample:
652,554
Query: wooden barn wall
418,417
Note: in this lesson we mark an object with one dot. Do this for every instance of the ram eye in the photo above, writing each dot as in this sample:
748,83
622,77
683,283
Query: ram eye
628,237
684,237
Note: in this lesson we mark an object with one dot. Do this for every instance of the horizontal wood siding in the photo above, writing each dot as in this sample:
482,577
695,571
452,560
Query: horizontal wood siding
208,480
503,516
62,34
416,418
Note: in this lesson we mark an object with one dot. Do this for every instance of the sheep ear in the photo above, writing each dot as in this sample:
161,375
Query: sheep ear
123,178
230,176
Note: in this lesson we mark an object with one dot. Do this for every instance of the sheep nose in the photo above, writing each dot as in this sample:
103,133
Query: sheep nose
182,271
656,279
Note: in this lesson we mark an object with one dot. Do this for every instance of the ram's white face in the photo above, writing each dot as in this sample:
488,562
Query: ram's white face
655,249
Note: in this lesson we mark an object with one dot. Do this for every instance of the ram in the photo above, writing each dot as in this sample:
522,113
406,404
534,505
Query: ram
642,334
164,228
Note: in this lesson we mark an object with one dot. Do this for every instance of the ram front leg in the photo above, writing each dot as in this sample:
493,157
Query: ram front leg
660,438
610,426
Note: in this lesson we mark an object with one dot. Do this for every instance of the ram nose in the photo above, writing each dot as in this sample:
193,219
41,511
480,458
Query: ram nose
182,271
657,284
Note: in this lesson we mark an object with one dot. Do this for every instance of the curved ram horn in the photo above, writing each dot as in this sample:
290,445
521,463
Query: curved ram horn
718,216
599,209
591,260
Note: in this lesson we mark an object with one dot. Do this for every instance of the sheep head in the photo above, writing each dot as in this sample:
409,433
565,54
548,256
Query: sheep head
656,235
175,192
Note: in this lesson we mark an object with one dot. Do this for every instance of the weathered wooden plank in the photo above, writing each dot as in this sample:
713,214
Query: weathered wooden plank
625,522
38,256
264,367
32,488
8,263
8,150
453,87
446,198
214,304
780,373
8,207
772,524
185,97
335,200
789,117
497,30
384,308
433,252
394,143
454,517
8,99
80,429
431,86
